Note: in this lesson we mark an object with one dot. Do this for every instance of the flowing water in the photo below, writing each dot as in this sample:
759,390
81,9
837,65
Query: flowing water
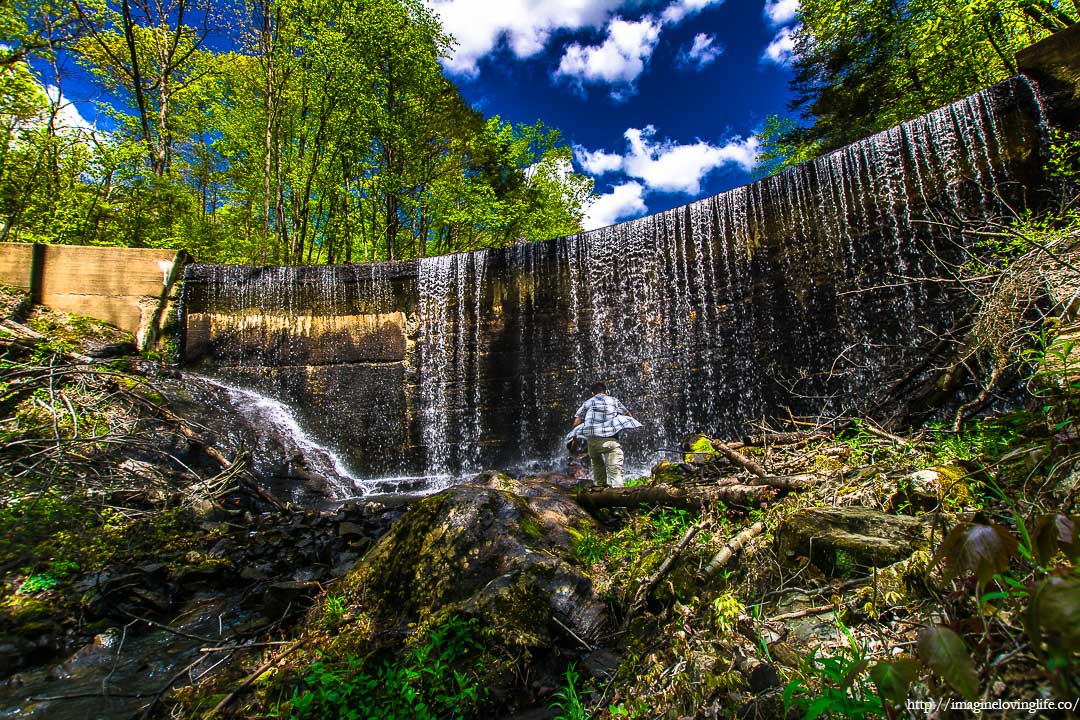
804,292
280,434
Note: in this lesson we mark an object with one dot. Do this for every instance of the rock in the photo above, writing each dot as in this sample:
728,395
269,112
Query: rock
350,529
673,473
601,664
846,541
109,350
496,549
284,598
946,484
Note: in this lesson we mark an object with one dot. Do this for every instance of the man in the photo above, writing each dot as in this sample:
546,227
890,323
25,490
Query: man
599,420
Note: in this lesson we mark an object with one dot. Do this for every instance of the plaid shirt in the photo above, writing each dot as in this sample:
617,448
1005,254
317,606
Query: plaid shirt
602,416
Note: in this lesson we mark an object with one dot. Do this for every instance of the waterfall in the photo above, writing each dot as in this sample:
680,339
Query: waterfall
804,292
450,289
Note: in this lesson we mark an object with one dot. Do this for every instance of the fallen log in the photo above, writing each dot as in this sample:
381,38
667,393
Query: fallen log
686,498
787,482
647,584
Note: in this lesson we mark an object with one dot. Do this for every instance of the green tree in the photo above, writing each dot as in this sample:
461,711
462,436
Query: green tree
862,66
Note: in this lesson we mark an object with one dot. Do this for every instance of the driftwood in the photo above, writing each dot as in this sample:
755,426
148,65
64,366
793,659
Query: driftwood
686,498
733,546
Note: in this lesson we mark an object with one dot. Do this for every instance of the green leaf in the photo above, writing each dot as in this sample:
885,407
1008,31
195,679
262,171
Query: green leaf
853,674
893,679
819,706
946,653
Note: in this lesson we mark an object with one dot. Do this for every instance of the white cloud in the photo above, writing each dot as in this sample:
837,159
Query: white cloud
702,52
480,26
597,162
781,48
619,60
68,116
667,166
678,10
670,167
781,12
623,201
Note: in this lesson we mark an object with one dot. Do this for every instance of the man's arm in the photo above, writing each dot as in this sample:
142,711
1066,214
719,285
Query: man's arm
577,421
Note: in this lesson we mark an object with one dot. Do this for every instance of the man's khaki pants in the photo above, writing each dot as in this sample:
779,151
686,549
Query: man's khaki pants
607,458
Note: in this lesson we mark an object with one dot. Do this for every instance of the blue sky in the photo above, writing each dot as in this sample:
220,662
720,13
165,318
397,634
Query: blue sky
659,98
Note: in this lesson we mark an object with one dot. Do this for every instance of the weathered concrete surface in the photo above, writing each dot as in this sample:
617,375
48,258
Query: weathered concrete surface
131,288
15,264
1054,63
326,339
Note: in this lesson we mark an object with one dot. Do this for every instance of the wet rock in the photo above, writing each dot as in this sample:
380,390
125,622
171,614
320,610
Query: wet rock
284,598
350,529
601,664
109,350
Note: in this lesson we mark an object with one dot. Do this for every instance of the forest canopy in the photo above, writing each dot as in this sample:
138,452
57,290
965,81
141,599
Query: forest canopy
267,131
863,66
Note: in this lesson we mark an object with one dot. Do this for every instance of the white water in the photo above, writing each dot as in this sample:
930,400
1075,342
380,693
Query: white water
272,416
803,288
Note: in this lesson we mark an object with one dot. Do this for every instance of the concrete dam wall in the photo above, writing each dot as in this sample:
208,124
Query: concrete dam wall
805,292
130,288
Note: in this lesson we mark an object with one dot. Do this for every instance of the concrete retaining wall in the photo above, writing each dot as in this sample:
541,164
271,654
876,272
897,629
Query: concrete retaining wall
130,288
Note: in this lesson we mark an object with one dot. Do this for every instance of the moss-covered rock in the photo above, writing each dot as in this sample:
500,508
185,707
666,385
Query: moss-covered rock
498,550
672,473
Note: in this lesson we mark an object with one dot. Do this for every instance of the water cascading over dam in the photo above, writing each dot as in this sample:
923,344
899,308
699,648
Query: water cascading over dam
807,291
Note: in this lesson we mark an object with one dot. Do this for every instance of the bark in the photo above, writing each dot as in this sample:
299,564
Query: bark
740,459
733,546
788,482
689,498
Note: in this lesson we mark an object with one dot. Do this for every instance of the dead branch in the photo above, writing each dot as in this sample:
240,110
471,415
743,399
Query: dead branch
788,482
873,429
686,498
739,459
647,584
785,438
803,613
733,546
227,700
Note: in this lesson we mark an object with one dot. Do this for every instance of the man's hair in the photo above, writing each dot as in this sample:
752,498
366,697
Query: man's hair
598,387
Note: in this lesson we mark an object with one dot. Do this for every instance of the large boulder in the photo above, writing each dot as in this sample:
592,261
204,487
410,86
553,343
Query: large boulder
497,549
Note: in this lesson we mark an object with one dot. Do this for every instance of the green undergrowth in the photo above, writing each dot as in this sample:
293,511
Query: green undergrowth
618,558
438,674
